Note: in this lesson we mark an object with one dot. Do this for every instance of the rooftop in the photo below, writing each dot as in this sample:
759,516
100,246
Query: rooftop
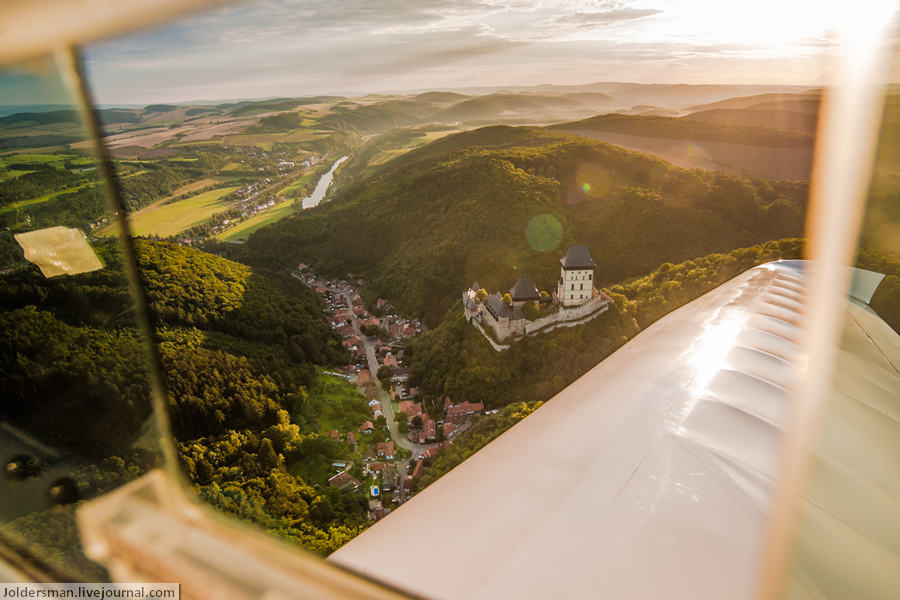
525,289
578,257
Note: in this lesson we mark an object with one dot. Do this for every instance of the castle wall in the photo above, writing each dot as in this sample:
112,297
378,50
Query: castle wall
597,304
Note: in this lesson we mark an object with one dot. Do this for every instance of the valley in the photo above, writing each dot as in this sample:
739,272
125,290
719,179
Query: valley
303,257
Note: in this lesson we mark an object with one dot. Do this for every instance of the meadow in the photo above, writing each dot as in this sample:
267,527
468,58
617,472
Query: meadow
242,231
170,219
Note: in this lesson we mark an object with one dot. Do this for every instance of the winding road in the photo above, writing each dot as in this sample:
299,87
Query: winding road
387,408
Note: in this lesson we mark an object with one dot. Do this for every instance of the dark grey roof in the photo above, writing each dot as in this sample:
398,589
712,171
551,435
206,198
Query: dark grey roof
524,290
496,306
475,287
578,257
469,303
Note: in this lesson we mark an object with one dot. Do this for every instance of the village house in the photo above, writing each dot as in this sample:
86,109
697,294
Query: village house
375,467
367,427
343,481
410,409
385,449
460,413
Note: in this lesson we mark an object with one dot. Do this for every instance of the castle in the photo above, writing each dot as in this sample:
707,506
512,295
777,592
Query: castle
575,301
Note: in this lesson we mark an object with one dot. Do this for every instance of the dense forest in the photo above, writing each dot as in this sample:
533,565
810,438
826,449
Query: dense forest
499,203
239,351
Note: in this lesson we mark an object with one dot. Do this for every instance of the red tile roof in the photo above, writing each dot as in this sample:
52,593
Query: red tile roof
367,426
466,408
342,480
410,408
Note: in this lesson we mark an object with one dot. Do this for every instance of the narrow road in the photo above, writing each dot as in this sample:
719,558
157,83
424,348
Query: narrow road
386,408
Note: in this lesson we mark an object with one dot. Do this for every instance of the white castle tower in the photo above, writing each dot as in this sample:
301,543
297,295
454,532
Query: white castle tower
576,281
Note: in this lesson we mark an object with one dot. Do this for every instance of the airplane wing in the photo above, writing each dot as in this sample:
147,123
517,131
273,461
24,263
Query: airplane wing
652,475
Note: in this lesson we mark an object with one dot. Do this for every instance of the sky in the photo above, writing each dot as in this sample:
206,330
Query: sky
270,48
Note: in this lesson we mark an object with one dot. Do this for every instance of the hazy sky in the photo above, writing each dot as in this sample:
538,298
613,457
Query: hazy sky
300,47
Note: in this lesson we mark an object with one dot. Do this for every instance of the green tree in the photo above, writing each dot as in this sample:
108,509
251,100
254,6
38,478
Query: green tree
531,310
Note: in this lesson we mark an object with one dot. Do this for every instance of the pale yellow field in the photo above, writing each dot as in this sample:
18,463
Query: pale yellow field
170,219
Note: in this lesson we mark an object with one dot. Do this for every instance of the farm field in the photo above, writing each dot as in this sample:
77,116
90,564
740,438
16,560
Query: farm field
297,185
170,219
242,231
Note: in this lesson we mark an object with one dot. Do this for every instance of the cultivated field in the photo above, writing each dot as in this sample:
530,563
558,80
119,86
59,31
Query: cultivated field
242,231
170,219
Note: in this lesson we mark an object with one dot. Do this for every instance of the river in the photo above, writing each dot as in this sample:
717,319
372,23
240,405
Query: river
319,193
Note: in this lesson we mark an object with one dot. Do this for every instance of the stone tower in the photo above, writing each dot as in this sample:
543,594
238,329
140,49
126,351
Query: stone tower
576,280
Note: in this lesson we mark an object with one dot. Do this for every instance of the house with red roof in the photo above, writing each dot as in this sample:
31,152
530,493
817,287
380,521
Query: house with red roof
385,449
376,467
460,413
343,481
367,427
334,433
411,409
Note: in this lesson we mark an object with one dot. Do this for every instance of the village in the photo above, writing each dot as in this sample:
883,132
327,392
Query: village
398,441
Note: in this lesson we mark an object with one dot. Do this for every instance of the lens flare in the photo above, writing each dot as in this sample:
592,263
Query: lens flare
544,232
593,180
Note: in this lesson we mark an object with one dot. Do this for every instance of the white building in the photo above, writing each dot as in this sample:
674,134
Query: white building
576,280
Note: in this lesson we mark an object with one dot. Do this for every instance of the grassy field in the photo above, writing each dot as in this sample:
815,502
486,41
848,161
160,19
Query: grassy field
299,184
386,155
44,198
242,230
169,219
54,160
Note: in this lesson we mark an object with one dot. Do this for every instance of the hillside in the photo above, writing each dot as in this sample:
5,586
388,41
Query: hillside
689,129
786,120
499,203
454,359
240,351
782,101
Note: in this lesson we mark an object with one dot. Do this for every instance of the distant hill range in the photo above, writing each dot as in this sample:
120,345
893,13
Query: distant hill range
459,210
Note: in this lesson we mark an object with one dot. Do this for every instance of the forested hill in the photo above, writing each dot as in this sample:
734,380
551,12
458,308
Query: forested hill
73,329
499,203
240,351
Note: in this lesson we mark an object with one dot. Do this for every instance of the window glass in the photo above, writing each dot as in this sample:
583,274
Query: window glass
847,504
310,205
75,416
